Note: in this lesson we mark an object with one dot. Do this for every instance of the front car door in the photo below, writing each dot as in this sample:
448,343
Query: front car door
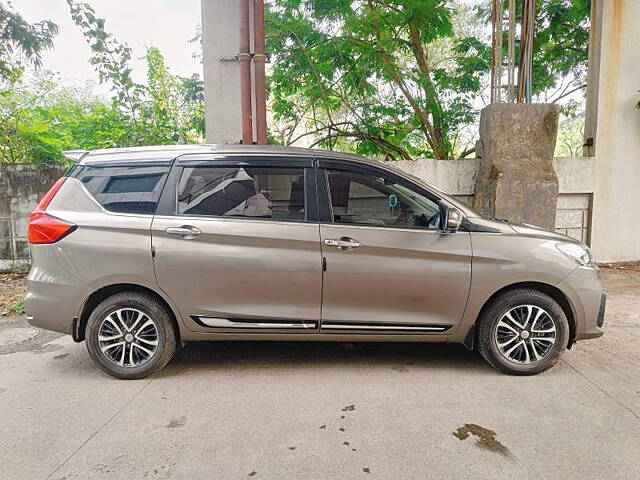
237,246
390,268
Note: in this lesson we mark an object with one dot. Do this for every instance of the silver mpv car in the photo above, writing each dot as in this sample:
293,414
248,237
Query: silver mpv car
140,250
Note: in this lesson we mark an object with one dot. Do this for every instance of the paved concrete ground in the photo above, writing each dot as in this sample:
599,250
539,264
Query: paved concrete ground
315,411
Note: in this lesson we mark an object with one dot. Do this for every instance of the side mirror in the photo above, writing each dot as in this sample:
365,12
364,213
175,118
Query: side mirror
452,219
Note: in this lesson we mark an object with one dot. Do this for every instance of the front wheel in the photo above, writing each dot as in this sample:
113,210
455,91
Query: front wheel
523,332
130,335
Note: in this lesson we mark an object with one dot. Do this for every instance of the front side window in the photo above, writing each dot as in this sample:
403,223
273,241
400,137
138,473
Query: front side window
124,189
369,199
247,192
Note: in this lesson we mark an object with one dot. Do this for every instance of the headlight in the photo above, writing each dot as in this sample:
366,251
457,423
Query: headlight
578,253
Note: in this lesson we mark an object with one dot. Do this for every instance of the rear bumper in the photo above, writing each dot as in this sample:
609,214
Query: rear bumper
588,299
46,305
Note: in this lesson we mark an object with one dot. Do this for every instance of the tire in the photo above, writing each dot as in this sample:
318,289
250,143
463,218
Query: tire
506,346
123,353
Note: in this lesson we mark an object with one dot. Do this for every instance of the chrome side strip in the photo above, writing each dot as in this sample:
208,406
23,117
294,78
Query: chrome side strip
360,327
267,325
249,324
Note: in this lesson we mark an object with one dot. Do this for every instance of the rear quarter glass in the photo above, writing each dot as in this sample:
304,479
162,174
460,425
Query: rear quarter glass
131,189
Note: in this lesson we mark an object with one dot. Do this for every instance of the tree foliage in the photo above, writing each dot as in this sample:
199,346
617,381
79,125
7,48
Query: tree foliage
168,109
404,77
40,120
561,48
174,108
21,43
394,78
376,76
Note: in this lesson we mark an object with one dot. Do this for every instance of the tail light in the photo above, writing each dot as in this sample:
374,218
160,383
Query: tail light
45,228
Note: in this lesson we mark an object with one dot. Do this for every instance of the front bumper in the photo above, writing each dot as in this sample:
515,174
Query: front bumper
588,301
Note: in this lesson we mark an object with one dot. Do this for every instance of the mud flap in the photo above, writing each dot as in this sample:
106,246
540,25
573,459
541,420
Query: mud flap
470,338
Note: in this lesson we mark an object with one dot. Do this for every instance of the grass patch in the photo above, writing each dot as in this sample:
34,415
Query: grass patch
13,288
13,309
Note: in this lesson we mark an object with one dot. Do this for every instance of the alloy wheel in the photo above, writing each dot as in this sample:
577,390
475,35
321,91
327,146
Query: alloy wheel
128,337
525,334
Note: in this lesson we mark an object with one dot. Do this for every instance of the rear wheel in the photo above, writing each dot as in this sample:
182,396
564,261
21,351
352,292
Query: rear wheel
523,332
130,335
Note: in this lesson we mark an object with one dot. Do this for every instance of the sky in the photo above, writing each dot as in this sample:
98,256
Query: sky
166,24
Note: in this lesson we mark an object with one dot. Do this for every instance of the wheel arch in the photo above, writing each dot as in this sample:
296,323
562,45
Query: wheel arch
554,292
105,292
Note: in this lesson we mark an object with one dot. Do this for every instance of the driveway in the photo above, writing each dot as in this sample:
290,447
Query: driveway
323,410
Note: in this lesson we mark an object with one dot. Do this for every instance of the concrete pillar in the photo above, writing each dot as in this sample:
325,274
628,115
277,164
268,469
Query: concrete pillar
516,179
220,40
593,76
615,234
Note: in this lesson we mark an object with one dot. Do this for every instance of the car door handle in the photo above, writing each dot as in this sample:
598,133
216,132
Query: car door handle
343,243
185,231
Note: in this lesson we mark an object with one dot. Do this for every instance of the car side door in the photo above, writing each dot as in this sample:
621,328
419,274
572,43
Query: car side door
236,244
390,267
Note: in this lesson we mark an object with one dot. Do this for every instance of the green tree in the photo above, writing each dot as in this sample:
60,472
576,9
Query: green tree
21,43
375,76
111,59
174,110
168,109
40,120
560,48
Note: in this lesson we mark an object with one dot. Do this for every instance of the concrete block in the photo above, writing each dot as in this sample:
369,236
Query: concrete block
516,178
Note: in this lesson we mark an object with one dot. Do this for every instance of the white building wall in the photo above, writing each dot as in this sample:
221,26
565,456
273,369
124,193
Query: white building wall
616,201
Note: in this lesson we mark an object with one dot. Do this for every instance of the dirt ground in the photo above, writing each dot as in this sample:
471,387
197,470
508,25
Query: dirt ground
13,288
627,266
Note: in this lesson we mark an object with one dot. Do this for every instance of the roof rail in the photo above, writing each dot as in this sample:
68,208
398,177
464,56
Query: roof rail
75,155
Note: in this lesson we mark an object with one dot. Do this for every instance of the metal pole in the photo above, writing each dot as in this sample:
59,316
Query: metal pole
511,51
496,52
259,59
532,27
525,62
244,57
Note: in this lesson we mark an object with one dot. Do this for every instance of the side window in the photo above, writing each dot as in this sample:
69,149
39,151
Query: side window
368,199
248,192
122,189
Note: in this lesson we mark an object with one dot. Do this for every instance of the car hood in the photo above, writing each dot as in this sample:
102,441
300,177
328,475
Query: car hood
538,232
524,229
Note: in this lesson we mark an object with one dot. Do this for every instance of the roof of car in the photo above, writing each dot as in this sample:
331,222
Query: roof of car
168,152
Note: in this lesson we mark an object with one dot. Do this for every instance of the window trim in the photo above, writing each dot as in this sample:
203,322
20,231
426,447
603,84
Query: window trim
326,207
168,204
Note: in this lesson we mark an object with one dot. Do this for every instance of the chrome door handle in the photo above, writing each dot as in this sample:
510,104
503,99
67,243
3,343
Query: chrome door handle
186,231
343,243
